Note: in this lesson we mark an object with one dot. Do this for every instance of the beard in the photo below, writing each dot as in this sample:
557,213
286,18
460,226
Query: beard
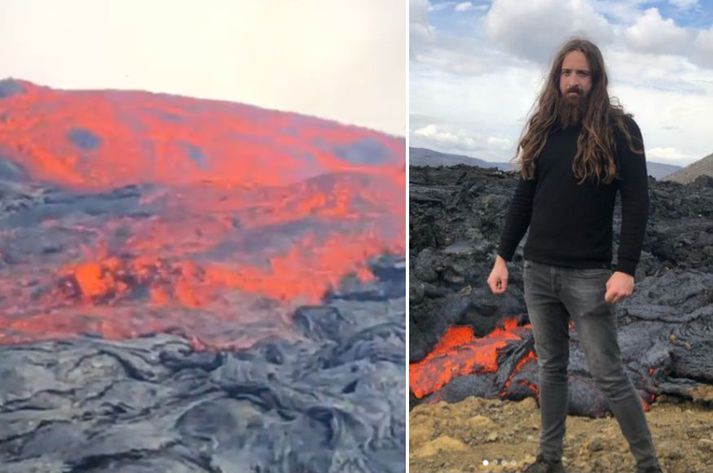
571,109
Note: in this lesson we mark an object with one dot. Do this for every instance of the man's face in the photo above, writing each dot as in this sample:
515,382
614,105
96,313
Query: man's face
575,77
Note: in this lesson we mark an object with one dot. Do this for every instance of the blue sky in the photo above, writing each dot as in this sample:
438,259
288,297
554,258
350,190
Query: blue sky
476,68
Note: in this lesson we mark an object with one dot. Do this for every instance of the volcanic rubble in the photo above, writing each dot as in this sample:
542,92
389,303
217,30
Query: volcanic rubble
665,328
330,400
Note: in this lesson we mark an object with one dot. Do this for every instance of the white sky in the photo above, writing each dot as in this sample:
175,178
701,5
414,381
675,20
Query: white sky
477,66
338,59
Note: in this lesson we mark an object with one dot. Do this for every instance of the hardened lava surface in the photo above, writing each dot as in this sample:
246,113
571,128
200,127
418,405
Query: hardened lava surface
466,342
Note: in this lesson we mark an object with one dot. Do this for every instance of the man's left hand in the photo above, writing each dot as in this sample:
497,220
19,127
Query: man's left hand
619,286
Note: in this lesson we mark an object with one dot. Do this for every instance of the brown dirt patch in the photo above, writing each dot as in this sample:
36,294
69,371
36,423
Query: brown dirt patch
478,435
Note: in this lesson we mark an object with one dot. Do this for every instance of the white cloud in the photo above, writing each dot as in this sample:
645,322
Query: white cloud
683,4
430,136
672,119
654,71
419,29
669,155
431,131
651,33
535,29
618,11
464,6
461,58
440,6
461,141
481,115
500,143
703,48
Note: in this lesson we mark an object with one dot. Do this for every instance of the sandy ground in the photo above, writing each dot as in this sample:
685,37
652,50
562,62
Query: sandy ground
478,435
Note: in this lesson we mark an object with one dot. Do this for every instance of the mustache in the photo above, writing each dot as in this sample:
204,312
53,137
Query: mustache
575,89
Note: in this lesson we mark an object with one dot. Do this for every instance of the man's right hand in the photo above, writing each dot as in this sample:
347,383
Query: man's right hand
498,279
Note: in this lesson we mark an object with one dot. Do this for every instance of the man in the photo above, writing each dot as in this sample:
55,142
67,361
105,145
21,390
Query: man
578,150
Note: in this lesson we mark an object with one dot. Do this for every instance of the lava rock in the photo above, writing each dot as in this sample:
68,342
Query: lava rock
665,327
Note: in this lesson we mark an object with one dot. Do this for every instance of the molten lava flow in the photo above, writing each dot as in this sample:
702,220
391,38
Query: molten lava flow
173,212
104,139
459,353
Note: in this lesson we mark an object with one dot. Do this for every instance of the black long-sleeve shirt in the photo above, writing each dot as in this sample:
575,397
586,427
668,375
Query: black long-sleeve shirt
571,224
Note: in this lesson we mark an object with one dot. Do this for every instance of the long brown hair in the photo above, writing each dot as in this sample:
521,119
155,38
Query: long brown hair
594,159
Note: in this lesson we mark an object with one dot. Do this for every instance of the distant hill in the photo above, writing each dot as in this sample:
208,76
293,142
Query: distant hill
429,157
659,171
688,174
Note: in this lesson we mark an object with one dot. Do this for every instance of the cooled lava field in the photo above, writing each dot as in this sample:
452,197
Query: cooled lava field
464,341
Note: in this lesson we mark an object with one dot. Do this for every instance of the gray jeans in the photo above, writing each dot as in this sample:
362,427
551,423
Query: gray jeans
554,295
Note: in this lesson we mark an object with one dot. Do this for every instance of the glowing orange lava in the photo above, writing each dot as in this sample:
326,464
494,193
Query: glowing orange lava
233,204
459,353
